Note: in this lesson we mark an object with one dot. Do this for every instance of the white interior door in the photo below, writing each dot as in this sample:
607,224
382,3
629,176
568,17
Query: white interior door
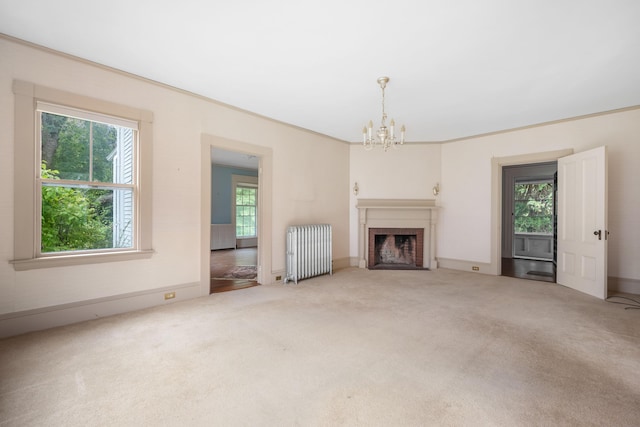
582,222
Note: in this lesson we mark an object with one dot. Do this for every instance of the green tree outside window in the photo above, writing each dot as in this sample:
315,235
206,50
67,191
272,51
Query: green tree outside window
533,208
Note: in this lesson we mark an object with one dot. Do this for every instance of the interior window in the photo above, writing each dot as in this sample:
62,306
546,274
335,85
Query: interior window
246,208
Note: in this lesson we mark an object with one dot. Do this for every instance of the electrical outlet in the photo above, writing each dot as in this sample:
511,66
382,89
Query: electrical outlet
170,295
278,277
475,268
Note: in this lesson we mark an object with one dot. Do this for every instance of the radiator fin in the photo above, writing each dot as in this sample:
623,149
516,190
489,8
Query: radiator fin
308,251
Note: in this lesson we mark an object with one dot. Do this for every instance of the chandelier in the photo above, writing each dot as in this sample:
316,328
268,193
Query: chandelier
385,135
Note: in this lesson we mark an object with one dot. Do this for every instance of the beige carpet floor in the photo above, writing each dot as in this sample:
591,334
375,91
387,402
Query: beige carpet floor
359,348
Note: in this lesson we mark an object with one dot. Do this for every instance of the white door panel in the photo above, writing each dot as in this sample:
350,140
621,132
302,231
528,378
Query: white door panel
582,210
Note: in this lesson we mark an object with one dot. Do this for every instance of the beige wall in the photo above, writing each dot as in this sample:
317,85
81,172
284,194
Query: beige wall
466,197
410,172
465,233
312,180
309,182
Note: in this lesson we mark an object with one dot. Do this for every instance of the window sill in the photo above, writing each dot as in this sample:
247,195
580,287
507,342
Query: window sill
79,259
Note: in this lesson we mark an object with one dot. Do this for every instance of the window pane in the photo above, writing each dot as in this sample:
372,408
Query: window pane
104,144
65,146
245,211
123,218
87,151
85,218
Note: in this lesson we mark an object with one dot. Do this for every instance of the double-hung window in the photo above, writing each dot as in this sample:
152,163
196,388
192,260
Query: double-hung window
88,180
82,179
246,210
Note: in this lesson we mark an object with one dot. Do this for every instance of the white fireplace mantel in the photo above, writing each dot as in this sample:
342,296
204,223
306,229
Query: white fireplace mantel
397,213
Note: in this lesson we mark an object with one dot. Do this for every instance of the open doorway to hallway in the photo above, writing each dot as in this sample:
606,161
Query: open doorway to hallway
233,261
529,221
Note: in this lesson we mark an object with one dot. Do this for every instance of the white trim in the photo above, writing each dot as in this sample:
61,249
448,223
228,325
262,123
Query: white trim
403,213
495,265
62,260
464,265
63,110
65,314
265,185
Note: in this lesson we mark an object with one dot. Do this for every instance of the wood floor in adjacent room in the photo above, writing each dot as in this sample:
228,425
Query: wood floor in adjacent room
224,260
544,271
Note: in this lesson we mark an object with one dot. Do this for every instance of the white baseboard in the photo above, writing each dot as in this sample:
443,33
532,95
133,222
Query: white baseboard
615,284
65,314
629,286
354,261
457,264
338,264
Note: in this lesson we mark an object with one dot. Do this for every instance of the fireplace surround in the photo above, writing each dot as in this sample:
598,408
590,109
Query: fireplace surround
400,217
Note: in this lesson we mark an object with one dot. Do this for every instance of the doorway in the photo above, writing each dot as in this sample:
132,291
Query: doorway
235,187
265,196
529,220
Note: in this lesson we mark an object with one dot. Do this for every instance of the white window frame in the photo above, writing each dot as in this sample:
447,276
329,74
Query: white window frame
243,181
27,172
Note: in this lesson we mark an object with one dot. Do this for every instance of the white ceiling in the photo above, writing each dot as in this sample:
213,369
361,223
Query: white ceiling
458,67
235,159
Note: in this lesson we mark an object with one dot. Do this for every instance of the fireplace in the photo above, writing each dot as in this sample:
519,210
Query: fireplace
412,225
396,248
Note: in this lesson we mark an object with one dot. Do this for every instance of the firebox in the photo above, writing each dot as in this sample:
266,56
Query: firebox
396,248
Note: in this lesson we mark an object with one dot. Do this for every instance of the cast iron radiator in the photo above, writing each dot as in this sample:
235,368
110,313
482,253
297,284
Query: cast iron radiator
308,251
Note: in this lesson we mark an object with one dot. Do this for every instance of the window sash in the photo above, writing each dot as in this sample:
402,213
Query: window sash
44,107
63,110
247,211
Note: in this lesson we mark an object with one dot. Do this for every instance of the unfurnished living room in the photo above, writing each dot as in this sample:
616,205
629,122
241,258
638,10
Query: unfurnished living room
335,213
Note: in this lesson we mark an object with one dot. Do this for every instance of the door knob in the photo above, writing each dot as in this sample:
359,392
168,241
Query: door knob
598,233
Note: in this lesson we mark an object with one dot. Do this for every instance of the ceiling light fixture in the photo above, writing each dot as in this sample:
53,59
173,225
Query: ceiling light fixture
386,137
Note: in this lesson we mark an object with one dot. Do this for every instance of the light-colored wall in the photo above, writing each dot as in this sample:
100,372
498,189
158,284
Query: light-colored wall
312,182
464,170
410,172
310,176
465,221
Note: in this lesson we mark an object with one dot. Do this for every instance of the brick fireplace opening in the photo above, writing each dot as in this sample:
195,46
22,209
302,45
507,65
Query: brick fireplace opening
396,248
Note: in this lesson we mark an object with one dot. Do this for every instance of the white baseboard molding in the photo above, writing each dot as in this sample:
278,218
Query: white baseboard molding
628,286
338,264
457,264
49,317
615,284
277,273
246,243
